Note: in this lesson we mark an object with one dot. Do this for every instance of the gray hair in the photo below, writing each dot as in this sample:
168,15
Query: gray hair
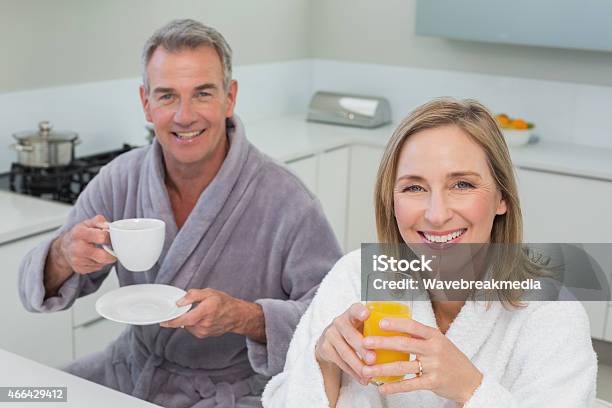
187,33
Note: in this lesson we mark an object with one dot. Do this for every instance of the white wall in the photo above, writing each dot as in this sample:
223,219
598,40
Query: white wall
382,32
96,95
108,113
371,48
76,63
562,111
57,42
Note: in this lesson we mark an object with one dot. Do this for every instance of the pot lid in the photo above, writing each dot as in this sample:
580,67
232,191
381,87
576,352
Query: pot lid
45,133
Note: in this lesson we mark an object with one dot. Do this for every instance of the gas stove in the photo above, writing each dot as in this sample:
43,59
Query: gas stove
59,183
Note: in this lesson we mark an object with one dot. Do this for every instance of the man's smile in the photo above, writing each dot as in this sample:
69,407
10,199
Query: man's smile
188,135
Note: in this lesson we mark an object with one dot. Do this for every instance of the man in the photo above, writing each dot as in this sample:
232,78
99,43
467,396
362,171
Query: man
237,225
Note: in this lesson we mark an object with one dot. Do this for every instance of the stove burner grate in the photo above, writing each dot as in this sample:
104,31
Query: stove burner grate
60,183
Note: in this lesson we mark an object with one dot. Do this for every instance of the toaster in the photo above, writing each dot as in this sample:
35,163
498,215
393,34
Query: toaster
351,110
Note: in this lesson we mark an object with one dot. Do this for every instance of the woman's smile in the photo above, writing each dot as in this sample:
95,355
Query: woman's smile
444,237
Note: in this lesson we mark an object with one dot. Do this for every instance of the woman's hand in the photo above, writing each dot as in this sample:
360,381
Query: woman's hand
446,370
342,343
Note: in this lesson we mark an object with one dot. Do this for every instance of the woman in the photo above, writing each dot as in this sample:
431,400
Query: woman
446,175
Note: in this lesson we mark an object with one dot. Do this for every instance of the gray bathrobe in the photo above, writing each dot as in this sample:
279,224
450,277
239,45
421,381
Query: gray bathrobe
255,233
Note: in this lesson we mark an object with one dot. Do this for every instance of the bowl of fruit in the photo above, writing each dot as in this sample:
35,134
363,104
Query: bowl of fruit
517,131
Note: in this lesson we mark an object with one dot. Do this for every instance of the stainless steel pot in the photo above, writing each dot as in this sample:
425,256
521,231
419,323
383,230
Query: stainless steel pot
45,148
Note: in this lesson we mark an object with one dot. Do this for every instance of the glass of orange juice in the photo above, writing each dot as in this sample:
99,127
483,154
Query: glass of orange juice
382,303
379,310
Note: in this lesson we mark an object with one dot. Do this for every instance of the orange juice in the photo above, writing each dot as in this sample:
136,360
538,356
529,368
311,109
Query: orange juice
378,311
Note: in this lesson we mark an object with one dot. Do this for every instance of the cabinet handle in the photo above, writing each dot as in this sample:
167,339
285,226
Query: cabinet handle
296,159
333,149
91,322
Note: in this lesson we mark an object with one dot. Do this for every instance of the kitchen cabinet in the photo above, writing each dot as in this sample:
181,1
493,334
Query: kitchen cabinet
343,179
84,308
326,175
55,338
569,209
306,169
332,189
608,324
46,338
361,223
562,208
91,332
95,336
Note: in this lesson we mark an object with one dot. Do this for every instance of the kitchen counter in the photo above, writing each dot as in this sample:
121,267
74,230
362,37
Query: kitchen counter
291,137
24,215
563,158
21,372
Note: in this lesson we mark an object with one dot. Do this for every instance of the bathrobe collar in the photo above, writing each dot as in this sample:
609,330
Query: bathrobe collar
180,244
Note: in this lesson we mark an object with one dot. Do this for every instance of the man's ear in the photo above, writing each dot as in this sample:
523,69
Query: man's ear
144,99
232,93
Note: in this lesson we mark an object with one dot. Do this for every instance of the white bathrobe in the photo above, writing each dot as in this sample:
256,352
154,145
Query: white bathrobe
537,356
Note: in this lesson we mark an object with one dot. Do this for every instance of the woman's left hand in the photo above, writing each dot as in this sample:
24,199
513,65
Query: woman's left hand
446,370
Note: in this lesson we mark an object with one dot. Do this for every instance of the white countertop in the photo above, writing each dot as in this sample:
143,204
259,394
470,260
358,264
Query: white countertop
18,371
23,215
292,137
289,138
570,159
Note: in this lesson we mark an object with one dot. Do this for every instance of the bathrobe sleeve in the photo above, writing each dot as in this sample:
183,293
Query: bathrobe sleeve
95,199
558,365
310,253
301,382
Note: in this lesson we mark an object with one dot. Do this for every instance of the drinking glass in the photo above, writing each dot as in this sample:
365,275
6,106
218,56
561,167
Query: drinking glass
382,303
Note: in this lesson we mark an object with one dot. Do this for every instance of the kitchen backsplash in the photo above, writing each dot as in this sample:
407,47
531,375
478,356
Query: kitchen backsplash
107,114
562,111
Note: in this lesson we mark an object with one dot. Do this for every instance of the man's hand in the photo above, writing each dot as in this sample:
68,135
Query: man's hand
77,251
80,246
218,313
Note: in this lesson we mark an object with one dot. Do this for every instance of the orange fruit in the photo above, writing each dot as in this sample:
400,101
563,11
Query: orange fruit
520,124
503,120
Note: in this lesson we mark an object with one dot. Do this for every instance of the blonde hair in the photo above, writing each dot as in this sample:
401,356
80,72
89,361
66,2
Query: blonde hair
477,122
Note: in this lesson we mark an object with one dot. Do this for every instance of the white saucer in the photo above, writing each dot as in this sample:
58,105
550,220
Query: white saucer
142,304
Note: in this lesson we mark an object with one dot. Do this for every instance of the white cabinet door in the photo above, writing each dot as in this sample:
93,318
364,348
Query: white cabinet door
326,176
95,336
46,338
84,309
608,327
332,183
306,169
598,314
363,167
92,332
560,208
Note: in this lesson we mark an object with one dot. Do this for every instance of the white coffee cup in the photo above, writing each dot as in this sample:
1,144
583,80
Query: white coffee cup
136,242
